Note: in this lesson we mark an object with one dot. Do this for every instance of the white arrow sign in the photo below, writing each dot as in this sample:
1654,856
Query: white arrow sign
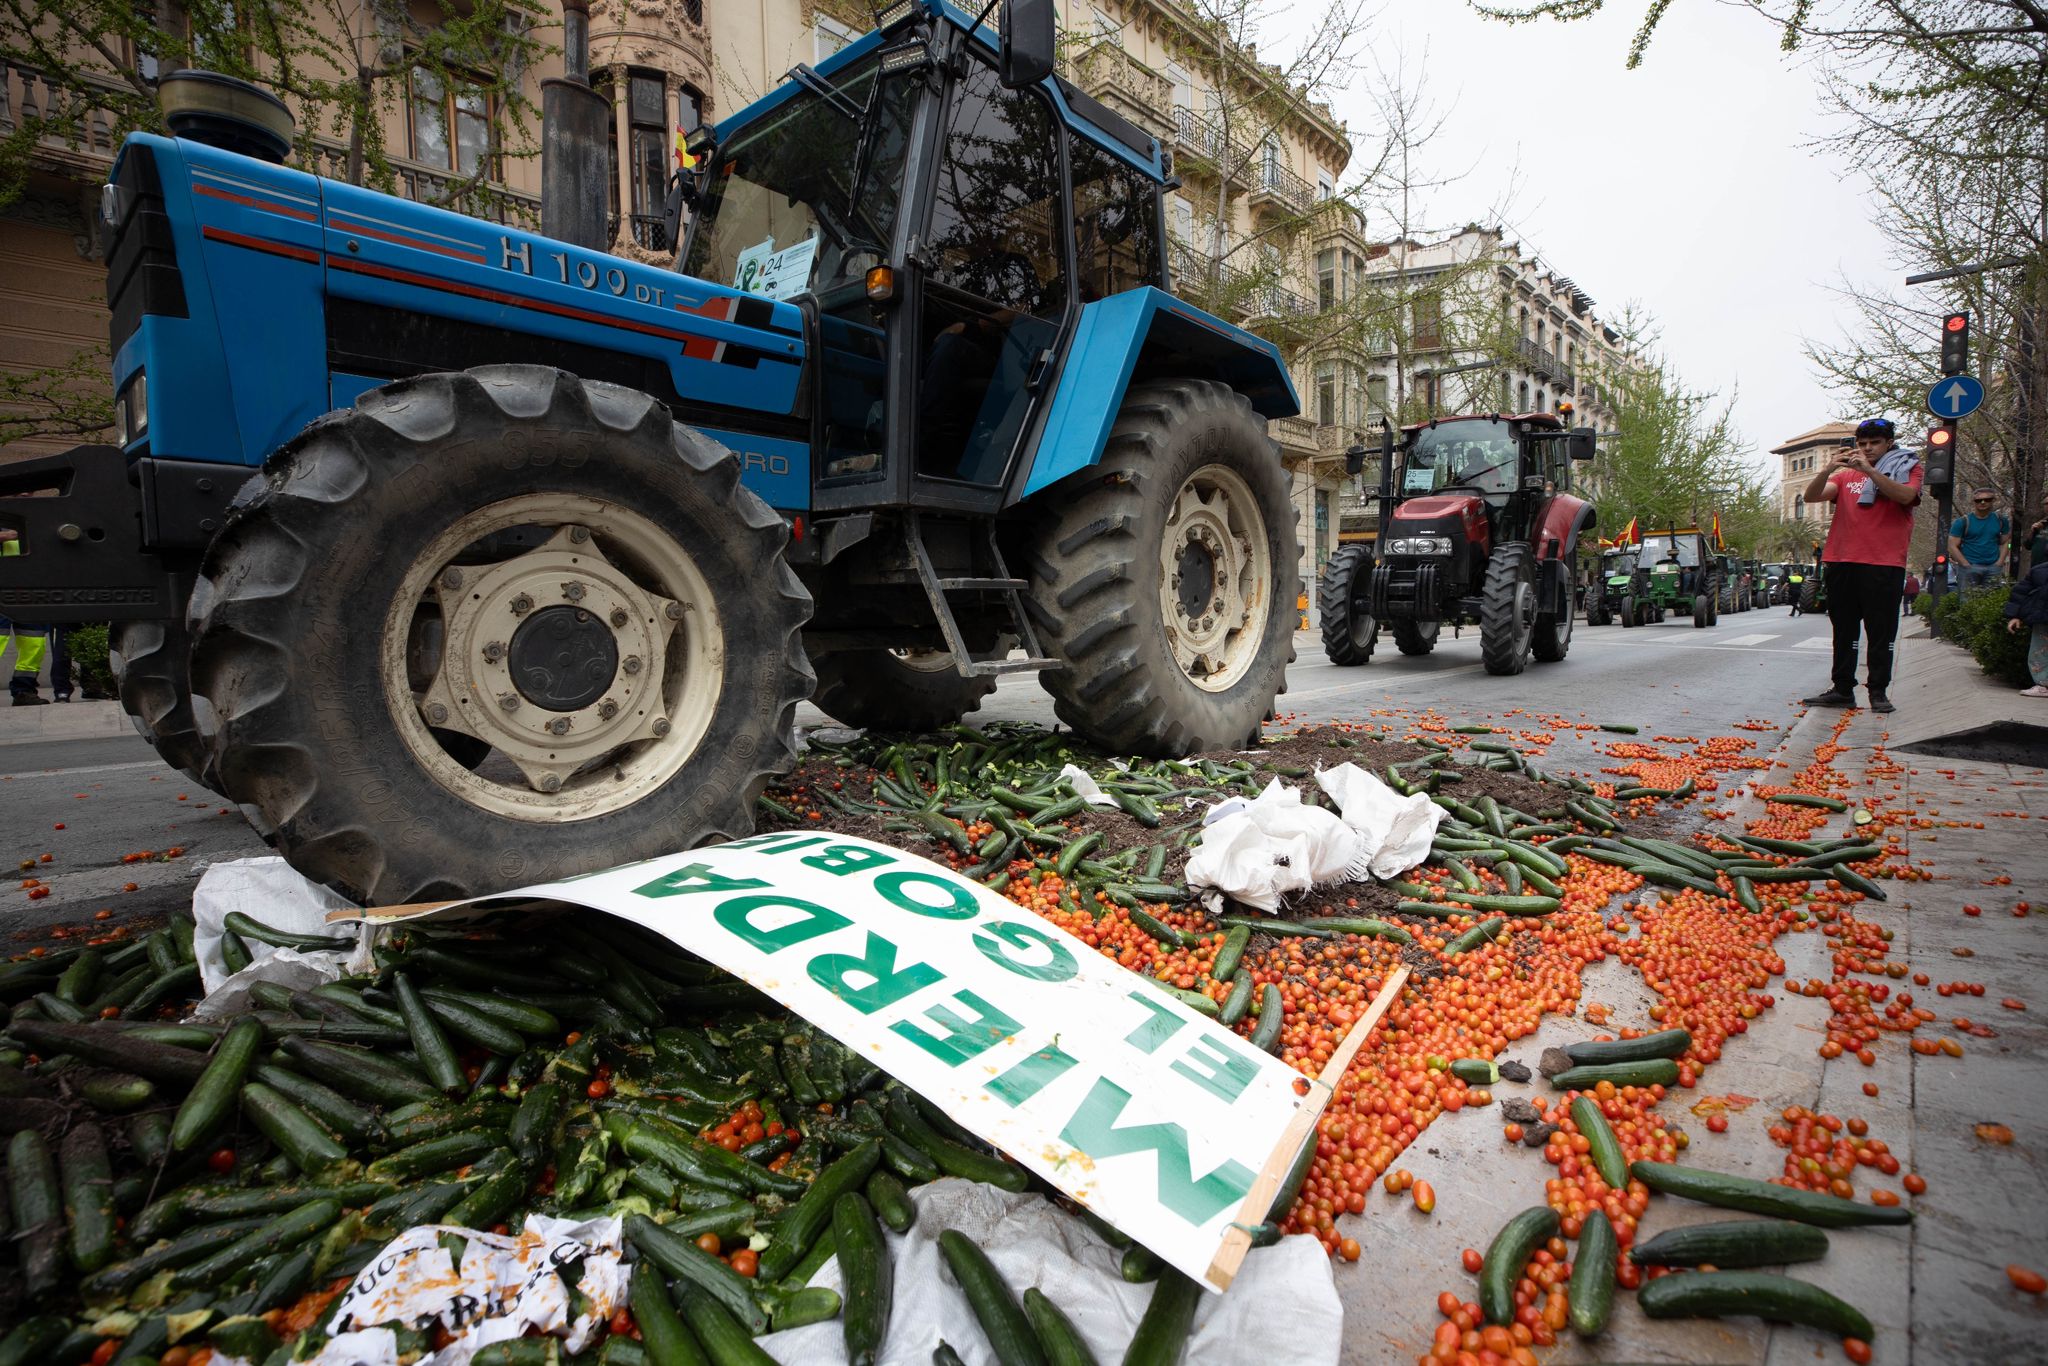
1954,398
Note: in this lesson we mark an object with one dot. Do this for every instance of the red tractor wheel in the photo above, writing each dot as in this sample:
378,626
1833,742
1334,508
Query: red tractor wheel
1507,611
1349,631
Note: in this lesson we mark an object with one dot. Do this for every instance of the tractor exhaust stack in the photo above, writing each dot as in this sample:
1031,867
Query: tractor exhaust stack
576,131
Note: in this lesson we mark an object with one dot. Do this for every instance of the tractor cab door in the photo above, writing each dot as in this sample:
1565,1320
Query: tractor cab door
990,292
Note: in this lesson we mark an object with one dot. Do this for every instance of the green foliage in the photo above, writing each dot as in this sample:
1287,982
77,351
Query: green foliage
1923,606
1944,613
1978,625
91,671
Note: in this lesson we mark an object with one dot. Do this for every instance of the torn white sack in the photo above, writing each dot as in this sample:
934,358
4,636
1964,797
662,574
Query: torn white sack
505,1285
1275,846
267,889
1033,1242
1085,787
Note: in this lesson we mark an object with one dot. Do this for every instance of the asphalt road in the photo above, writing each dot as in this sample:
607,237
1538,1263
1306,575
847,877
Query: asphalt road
112,798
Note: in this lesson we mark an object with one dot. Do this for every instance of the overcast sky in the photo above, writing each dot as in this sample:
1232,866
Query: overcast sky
1687,186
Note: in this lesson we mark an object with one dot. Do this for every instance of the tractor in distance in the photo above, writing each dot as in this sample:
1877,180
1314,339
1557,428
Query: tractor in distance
1685,575
1734,578
1776,582
462,556
1620,590
1759,587
1476,524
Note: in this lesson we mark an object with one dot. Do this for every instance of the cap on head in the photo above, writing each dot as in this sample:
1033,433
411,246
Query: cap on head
1875,426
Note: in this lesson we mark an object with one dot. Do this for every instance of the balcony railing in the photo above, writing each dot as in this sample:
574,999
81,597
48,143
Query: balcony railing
1545,363
1114,76
426,184
1290,190
28,95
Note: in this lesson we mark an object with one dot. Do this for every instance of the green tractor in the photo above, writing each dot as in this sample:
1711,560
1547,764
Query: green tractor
1759,586
1734,584
1620,588
1685,576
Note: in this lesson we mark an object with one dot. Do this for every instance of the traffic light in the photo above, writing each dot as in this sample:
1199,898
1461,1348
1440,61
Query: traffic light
1955,344
1939,459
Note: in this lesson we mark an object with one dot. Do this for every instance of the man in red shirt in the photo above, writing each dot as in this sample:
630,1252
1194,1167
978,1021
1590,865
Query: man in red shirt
1875,485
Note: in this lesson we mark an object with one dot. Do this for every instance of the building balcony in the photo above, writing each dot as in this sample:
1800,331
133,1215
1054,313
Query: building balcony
1128,86
1544,364
1279,191
424,184
94,134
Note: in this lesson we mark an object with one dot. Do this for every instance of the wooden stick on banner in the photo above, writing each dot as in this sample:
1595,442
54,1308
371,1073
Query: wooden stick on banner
1300,1129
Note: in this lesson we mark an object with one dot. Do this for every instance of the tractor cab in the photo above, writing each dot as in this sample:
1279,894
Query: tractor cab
1685,573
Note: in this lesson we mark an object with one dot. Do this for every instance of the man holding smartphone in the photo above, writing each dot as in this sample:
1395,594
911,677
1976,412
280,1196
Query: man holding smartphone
1874,485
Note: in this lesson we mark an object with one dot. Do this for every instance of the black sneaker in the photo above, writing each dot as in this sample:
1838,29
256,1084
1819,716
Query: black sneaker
1833,697
1879,702
30,699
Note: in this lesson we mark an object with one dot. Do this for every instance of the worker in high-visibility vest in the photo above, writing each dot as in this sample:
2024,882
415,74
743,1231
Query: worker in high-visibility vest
31,644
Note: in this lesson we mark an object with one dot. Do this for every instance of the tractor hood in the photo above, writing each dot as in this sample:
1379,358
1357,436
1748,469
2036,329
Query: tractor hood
1438,505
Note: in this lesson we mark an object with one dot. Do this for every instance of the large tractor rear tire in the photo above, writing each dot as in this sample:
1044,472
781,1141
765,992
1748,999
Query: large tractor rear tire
914,690
1551,638
1631,612
1164,581
1507,610
1416,637
1349,631
152,679
540,565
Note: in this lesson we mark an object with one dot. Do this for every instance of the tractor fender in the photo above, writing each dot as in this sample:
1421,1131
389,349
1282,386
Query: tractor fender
1565,519
1136,335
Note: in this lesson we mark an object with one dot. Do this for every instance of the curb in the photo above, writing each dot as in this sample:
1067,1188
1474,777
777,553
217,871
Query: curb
62,721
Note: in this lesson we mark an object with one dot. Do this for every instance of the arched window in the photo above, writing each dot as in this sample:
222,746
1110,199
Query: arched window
1522,397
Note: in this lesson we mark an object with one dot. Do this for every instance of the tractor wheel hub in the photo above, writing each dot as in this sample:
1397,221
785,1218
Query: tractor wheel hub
563,658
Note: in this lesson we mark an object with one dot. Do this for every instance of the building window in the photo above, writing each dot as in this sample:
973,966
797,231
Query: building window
1108,30
1181,84
650,147
1376,392
1326,393
1326,279
1522,397
828,36
1182,220
1326,187
1428,322
1798,507
448,127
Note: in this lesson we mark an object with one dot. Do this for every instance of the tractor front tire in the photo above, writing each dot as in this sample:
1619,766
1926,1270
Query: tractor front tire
544,567
1701,605
152,678
1416,637
1507,609
884,690
1551,638
1631,612
1349,632
1163,578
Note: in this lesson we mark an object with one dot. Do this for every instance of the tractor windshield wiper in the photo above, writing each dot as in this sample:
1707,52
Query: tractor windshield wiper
804,75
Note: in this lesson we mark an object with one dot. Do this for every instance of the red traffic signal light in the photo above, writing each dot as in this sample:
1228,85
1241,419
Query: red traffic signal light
1938,459
1941,438
1955,344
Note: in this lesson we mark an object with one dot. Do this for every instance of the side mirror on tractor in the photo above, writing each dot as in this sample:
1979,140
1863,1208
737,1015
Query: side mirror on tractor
1580,443
1354,461
1027,42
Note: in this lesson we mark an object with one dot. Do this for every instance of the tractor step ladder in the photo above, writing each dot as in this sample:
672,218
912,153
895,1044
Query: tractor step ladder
1012,590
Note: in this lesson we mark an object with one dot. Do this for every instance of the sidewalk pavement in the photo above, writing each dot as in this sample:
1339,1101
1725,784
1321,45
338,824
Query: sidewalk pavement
74,720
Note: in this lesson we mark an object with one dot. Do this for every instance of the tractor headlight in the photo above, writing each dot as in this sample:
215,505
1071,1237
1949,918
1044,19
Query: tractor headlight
1419,545
131,409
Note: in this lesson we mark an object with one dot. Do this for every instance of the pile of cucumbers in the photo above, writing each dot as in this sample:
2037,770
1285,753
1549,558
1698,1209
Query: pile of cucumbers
174,1184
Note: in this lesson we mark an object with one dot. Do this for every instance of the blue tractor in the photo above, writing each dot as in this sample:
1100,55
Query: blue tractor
461,556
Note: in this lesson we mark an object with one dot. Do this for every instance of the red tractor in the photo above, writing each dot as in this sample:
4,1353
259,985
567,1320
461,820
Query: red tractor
1479,527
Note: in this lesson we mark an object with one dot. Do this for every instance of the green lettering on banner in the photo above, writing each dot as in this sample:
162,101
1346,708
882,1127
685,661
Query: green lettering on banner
991,938
765,837
959,901
737,916
1162,1025
963,1040
1093,1130
695,877
841,859
1222,1074
886,985
1027,1078
786,843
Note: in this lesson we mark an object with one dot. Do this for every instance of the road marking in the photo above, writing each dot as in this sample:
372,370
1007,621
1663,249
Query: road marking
1748,640
91,768
1383,681
1817,643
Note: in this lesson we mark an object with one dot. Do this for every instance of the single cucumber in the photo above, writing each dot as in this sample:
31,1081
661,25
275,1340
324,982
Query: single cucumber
821,1252
1819,803
33,1341
1231,950
436,1054
1733,1244
1169,1318
662,1334
803,1306
359,1072
907,1123
1485,932
479,1027
1063,1343
37,1201
1475,1071
115,1093
122,1277
891,1201
88,1182
995,1307
286,1231
1506,1258
1761,1197
1602,1147
1235,1006
1665,1043
434,1155
493,1198
115,1048
725,1337
346,1118
1757,1294
297,1134
801,1225
1272,1016
1592,1286
1364,926
212,1099
1138,1266
865,1268
1649,1072
237,923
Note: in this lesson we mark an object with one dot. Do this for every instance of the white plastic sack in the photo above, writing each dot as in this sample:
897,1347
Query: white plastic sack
506,1285
1260,852
1397,829
268,890
1035,1243
1085,787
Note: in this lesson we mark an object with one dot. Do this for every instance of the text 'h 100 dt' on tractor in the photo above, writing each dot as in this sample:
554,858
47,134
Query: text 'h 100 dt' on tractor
1476,524
547,545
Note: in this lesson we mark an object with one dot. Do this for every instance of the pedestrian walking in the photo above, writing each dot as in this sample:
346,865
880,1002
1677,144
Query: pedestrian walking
29,645
1910,596
1875,486
2027,609
1976,541
2037,538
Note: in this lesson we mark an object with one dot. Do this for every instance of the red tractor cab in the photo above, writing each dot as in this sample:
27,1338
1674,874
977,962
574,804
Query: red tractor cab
1477,525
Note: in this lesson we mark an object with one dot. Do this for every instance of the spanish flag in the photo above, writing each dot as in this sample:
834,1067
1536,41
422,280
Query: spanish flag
1629,534
684,161
1717,531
